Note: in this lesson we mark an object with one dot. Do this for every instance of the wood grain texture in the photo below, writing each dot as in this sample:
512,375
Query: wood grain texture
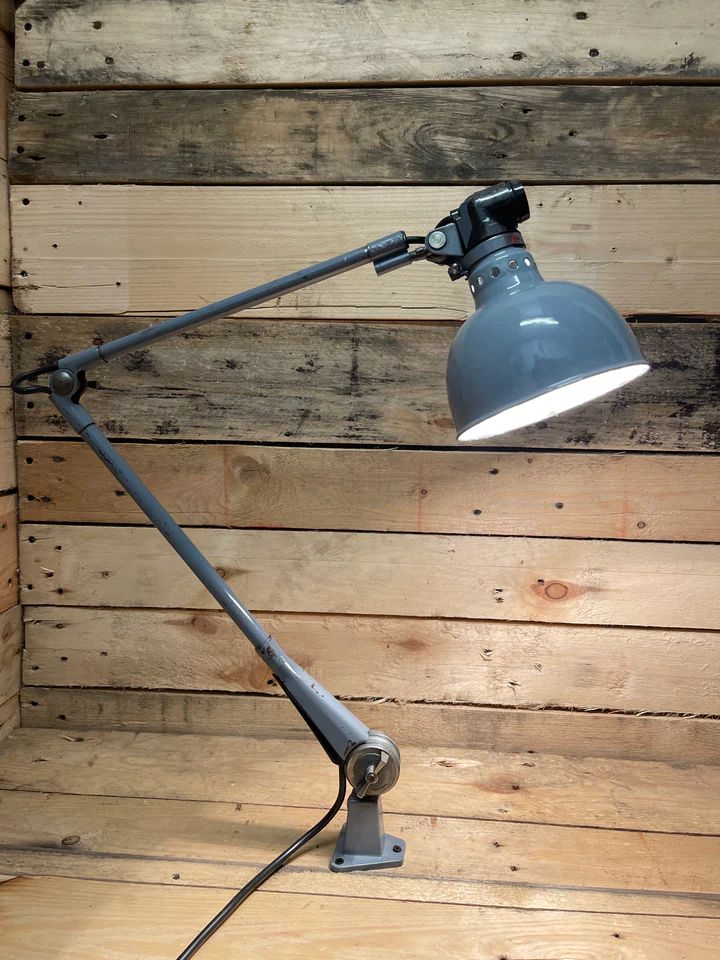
397,135
355,383
617,496
8,552
5,308
8,475
146,249
94,916
9,715
11,641
6,85
405,659
577,734
159,43
5,271
191,843
436,780
7,17
421,575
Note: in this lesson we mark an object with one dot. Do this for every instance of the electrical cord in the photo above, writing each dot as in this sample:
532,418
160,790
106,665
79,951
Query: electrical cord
257,881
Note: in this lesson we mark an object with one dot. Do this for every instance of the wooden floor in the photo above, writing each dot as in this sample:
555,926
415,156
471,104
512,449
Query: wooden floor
121,845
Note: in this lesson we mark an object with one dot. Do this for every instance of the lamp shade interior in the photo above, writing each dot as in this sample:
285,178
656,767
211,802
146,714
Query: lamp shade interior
553,402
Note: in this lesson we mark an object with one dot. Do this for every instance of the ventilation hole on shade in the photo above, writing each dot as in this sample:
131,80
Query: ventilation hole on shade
495,272
339,861
512,264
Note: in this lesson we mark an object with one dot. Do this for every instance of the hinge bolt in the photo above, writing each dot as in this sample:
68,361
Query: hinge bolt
437,240
63,382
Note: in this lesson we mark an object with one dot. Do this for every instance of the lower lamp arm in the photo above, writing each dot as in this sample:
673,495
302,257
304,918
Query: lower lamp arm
370,759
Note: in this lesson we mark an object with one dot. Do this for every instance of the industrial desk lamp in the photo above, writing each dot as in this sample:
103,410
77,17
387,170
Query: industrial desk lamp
531,350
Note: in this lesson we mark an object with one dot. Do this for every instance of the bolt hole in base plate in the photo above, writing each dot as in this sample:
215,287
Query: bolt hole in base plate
391,855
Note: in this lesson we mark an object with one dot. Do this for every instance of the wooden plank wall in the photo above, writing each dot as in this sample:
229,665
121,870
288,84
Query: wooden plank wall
557,590
10,613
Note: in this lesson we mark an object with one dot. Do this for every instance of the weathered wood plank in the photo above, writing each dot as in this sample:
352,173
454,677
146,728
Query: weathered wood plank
95,916
165,44
8,476
214,844
8,552
563,133
616,496
11,640
354,383
9,715
421,575
5,272
6,79
135,249
523,665
436,781
665,739
7,18
5,307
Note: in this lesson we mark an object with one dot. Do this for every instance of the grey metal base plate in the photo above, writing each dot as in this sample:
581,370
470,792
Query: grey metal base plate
392,855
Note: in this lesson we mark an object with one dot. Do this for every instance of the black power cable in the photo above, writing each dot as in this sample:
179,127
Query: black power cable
257,881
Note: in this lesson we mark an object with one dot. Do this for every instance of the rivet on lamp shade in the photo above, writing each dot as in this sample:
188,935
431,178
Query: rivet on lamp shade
533,349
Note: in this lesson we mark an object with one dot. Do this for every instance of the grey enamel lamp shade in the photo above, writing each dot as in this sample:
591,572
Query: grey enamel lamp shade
533,349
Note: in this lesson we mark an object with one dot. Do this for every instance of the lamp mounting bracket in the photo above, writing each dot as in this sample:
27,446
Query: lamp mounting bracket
484,222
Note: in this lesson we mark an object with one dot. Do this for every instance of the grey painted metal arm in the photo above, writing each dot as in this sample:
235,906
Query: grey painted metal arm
336,727
386,253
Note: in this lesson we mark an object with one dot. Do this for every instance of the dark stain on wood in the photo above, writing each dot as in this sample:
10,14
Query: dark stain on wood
372,383
399,135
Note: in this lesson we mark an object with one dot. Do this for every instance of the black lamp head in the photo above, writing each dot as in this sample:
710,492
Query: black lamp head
533,348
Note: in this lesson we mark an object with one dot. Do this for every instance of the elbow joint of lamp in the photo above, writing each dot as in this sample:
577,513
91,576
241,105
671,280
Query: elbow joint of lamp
533,348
